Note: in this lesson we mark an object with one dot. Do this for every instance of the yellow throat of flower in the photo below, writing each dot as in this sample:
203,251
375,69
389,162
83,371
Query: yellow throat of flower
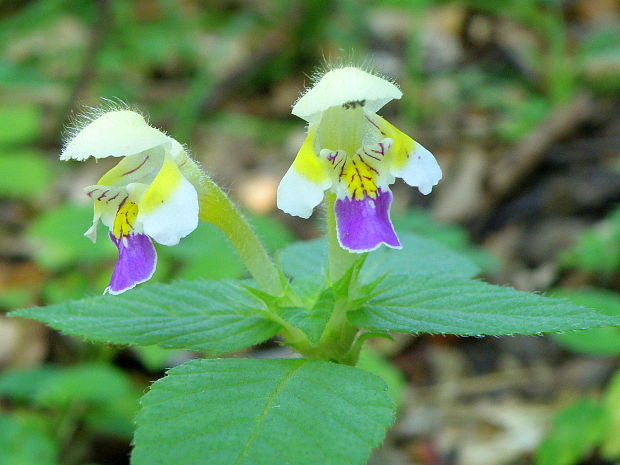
125,219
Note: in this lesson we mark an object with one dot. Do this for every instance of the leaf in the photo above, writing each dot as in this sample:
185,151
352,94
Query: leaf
271,232
18,295
57,238
436,304
597,341
91,383
106,398
303,259
311,320
252,127
309,288
105,393
20,124
306,263
522,117
206,254
26,440
25,174
69,285
597,249
419,221
155,358
374,362
419,256
610,449
24,383
575,430
598,58
248,412
211,316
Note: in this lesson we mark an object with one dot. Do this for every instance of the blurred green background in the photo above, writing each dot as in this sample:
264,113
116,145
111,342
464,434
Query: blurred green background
519,100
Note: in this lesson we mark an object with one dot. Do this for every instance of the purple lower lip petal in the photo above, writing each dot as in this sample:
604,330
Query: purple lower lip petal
136,262
363,225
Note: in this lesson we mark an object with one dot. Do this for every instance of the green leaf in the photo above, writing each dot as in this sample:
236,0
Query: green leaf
597,341
598,248
66,286
58,241
522,117
25,174
248,412
255,128
303,259
306,263
372,361
600,342
272,233
19,123
155,358
104,393
575,430
311,320
419,221
419,256
610,449
436,304
18,295
309,288
91,383
205,253
598,60
210,316
24,383
26,440
56,386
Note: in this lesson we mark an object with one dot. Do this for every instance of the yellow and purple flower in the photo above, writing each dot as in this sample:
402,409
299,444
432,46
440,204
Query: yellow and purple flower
151,194
355,153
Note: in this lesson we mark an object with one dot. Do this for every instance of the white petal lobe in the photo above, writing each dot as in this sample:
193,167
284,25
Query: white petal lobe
298,196
421,170
175,218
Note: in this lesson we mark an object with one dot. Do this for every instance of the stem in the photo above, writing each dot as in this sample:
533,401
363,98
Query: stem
67,424
339,260
216,208
293,336
338,336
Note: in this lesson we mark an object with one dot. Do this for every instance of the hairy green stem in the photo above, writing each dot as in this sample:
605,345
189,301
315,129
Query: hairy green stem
338,336
216,208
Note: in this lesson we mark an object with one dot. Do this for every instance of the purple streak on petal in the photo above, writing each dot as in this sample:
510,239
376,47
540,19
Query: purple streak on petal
363,225
136,262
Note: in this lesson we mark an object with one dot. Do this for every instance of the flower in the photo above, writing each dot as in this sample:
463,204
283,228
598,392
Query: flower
150,194
355,153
